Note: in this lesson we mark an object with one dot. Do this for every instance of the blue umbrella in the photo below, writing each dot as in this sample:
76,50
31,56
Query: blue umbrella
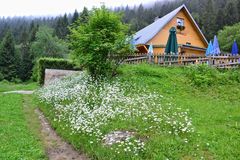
216,49
209,50
234,48
132,44
150,50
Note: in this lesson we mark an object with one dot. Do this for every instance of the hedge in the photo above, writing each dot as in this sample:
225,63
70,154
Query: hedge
52,63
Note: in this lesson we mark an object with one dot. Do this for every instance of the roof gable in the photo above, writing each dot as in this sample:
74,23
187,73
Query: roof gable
147,33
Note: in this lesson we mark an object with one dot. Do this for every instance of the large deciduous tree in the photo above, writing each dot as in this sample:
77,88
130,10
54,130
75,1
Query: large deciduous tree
228,35
100,43
47,44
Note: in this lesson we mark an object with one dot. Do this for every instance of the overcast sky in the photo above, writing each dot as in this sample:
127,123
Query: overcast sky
55,7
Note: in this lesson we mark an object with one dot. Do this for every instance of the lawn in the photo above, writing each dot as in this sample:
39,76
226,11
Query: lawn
19,128
210,97
10,86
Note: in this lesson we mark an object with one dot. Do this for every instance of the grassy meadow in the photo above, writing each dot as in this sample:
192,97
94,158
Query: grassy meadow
210,97
19,128
10,86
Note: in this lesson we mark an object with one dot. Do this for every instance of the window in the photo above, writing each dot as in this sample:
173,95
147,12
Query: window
180,22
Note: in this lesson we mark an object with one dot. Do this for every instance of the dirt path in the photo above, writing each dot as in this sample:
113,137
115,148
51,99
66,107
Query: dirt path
55,147
19,92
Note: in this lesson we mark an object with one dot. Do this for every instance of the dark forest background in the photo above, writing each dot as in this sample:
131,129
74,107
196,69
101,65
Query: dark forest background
211,15
24,39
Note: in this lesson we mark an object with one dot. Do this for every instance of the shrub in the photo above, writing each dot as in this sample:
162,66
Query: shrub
50,63
101,44
235,76
203,75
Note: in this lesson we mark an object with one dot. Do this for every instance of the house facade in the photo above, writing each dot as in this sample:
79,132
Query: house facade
191,40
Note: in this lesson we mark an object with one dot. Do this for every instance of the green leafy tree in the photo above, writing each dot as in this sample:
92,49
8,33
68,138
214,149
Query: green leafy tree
8,58
101,43
228,35
48,45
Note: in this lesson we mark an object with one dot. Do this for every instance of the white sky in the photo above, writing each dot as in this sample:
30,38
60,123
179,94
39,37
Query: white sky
55,7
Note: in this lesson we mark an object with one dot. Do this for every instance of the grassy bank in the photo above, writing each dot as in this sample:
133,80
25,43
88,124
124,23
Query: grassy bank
19,129
213,104
211,97
9,86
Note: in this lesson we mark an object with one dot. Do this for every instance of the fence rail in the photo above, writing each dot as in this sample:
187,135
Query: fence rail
221,61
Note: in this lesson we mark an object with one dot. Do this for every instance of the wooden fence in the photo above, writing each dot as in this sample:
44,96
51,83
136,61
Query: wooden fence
221,61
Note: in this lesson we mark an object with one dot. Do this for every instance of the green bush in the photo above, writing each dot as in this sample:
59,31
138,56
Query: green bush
203,75
50,63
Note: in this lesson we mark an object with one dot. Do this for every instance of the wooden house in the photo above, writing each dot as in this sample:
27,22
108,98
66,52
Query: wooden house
190,38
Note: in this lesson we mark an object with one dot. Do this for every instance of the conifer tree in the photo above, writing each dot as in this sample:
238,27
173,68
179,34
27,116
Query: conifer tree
238,8
32,31
208,20
62,27
8,58
26,59
231,14
84,16
75,16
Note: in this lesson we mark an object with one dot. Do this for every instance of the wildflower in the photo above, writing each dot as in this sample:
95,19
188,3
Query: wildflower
86,106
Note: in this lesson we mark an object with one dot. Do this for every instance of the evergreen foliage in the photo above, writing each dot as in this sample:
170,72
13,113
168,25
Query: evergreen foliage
75,16
211,15
62,27
26,58
8,58
84,16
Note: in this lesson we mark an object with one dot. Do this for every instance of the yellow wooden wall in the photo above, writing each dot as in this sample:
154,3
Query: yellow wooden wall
190,34
192,52
188,51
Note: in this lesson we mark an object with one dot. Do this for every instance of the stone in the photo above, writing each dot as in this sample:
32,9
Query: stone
117,137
